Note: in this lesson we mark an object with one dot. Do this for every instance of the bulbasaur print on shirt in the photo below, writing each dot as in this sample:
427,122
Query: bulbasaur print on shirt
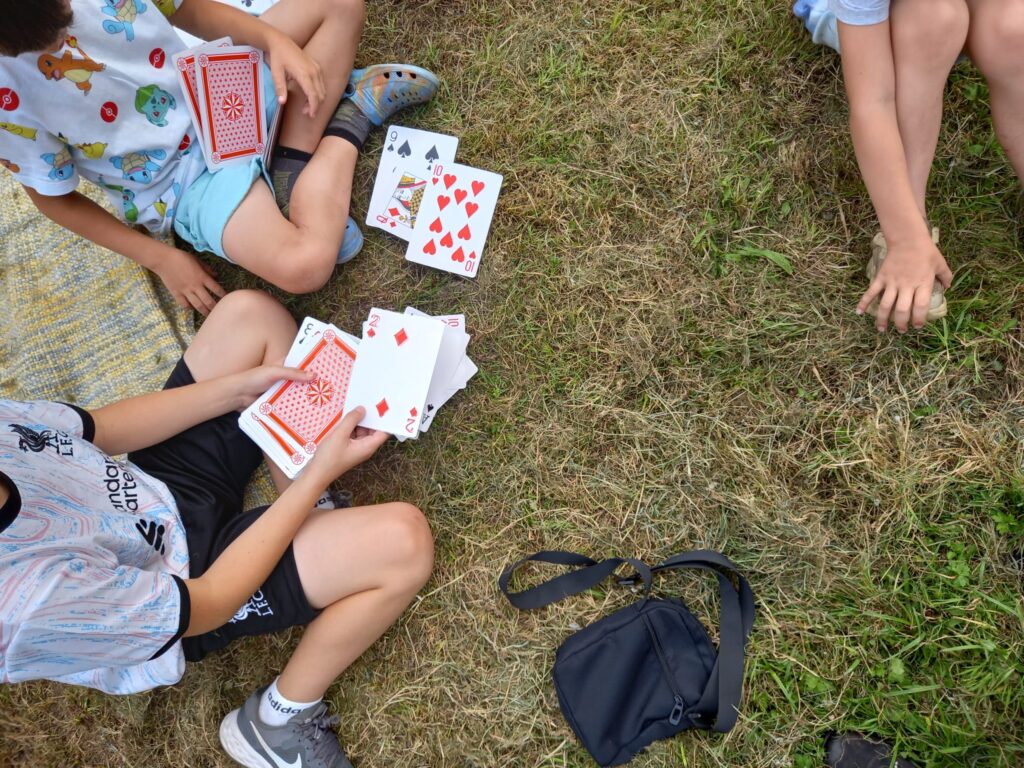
105,106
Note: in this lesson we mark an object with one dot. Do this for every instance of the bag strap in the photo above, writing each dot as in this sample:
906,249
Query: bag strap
551,591
721,697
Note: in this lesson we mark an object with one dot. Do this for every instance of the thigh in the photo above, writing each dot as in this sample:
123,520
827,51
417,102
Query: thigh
299,19
245,329
341,552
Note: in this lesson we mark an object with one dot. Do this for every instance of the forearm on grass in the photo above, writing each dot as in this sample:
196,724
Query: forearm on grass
76,212
139,422
247,562
870,78
209,19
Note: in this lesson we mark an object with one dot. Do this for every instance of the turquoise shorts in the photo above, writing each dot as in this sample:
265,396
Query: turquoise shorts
207,203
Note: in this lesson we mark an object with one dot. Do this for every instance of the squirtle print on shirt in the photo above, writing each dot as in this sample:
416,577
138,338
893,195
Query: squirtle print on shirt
78,70
138,166
124,12
62,162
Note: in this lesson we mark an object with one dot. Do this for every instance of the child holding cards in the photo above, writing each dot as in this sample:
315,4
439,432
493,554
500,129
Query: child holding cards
88,89
896,58
113,574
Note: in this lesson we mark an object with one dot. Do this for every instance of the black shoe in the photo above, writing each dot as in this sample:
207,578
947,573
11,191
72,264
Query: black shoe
848,750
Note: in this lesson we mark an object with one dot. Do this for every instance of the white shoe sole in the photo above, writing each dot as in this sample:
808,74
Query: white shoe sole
237,747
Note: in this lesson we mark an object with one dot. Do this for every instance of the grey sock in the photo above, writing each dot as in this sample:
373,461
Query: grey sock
349,123
285,167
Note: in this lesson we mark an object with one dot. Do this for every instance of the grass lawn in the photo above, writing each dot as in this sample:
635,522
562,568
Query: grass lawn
669,359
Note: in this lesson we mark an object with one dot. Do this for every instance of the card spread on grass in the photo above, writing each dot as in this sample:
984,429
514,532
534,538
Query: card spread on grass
454,219
408,159
396,361
229,82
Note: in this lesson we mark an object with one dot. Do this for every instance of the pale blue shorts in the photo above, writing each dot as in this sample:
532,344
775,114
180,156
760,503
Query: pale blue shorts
207,203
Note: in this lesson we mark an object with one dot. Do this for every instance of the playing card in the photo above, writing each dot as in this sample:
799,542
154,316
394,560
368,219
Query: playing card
310,330
185,65
229,82
454,219
408,159
453,369
392,374
292,418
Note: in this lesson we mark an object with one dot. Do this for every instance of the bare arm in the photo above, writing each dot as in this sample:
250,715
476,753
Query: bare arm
210,19
187,279
248,560
904,283
139,422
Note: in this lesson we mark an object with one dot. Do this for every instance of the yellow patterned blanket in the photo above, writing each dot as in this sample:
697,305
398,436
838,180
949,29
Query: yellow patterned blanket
78,322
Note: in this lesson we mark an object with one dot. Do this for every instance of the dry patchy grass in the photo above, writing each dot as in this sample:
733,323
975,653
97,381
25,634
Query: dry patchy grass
670,360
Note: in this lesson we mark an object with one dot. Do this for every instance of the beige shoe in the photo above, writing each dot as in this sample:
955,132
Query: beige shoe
879,250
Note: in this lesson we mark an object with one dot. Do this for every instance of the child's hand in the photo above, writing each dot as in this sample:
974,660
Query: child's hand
904,282
256,381
190,282
346,446
289,62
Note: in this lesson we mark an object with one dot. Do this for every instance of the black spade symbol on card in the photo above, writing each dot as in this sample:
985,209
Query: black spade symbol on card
405,150
431,156
391,147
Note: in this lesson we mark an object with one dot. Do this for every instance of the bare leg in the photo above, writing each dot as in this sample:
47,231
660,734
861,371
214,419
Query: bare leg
299,255
363,567
995,42
927,38
246,329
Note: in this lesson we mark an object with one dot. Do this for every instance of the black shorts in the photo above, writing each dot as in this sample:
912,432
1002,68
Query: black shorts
207,468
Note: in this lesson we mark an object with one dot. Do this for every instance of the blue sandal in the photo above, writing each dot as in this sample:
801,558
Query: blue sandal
382,89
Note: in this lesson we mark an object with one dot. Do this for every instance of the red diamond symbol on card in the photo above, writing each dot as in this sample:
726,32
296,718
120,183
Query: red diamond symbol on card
412,412
382,407
371,333
401,337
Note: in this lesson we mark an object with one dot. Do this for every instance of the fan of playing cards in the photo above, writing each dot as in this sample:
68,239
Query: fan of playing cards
423,196
402,371
224,92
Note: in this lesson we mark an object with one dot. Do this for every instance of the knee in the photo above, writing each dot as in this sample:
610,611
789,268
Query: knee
349,11
249,306
935,27
996,38
310,266
410,544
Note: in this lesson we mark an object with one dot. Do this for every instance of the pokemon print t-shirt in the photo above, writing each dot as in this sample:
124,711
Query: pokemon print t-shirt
92,554
106,106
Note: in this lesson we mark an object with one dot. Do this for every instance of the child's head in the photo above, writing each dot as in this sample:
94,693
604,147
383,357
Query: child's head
38,25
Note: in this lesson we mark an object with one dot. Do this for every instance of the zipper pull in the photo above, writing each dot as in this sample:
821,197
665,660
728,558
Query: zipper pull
677,711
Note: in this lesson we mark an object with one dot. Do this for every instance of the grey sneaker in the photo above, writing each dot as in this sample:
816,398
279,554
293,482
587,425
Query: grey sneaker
307,740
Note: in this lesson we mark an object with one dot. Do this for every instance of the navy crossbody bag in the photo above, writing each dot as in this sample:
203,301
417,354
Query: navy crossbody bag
649,670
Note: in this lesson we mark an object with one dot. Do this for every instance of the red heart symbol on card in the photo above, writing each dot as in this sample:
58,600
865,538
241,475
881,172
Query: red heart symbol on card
442,202
430,248
460,195
464,233
471,208
449,179
472,255
478,187
436,225
434,180
447,241
458,255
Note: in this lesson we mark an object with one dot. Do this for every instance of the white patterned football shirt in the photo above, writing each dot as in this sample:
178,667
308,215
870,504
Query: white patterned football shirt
92,557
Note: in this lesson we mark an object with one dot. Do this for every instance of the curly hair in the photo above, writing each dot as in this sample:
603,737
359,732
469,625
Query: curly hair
32,26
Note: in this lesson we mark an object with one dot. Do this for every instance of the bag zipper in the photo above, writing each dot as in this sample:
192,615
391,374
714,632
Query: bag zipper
676,716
